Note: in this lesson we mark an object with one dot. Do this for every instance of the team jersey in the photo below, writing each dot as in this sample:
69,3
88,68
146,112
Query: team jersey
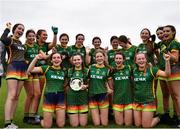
129,54
74,50
143,48
122,85
54,79
174,46
143,85
31,52
45,49
92,54
15,48
98,78
65,52
163,49
77,97
111,53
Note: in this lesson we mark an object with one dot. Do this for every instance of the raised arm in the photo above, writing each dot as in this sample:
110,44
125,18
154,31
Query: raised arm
167,71
53,43
4,38
32,68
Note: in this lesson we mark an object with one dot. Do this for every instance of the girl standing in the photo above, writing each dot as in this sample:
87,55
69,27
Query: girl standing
128,50
173,50
64,49
32,86
16,70
114,43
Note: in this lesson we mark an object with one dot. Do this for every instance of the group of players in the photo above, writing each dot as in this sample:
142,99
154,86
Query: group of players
122,79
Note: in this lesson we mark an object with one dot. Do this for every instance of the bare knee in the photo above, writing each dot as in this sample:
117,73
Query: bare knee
74,124
60,123
129,123
13,97
46,123
118,122
83,124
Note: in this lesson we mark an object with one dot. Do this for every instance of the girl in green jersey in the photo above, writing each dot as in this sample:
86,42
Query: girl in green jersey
144,97
163,81
77,99
54,98
32,86
96,41
122,96
173,50
99,90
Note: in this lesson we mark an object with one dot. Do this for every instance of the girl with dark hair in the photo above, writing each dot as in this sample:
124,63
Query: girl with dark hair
123,93
173,49
163,81
16,70
64,50
128,50
96,41
99,75
44,46
144,105
148,46
114,43
77,97
79,48
32,86
54,98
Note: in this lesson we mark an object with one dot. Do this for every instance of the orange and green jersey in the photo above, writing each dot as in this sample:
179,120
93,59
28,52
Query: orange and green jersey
129,54
122,85
98,78
77,97
54,79
65,52
144,85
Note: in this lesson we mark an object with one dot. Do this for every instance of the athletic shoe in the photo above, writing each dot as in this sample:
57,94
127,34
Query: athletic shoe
11,126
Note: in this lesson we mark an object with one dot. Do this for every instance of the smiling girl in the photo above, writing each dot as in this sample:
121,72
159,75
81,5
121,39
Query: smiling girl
77,100
54,98
144,96
123,93
16,70
173,50
99,89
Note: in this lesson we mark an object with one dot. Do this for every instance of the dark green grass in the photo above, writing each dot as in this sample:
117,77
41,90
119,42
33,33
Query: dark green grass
20,110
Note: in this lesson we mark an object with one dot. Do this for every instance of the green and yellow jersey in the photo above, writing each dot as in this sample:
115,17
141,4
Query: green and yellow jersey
98,78
144,85
54,79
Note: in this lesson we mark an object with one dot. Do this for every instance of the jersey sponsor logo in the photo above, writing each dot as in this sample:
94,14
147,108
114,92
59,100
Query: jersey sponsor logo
140,79
33,55
20,48
57,77
127,58
96,76
122,78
